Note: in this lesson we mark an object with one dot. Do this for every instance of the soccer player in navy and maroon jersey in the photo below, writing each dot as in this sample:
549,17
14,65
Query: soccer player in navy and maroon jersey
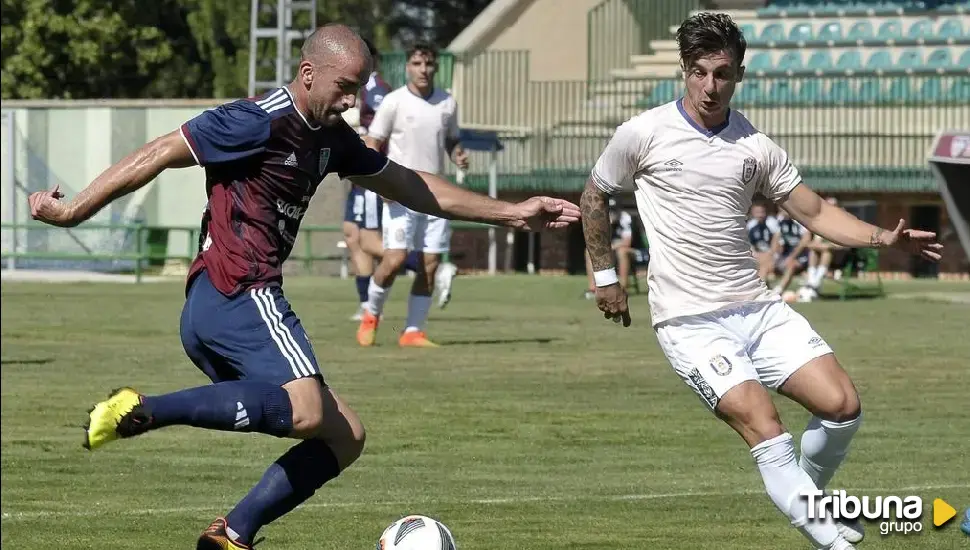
264,158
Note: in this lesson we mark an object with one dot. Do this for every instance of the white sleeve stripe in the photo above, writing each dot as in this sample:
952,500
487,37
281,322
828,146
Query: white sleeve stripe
189,145
603,185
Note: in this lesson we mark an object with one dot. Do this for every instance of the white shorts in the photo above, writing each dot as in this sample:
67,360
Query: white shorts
405,229
761,341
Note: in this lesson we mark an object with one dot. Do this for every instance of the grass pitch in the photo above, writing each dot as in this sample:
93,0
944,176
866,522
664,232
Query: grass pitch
539,426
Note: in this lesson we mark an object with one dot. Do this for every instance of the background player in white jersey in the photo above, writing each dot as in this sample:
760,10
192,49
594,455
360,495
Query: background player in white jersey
419,125
695,165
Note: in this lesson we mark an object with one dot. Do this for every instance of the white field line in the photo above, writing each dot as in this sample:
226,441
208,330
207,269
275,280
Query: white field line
44,514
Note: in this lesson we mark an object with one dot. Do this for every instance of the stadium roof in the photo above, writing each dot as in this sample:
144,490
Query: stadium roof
489,23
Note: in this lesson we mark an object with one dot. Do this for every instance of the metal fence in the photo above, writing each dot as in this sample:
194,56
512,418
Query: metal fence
846,133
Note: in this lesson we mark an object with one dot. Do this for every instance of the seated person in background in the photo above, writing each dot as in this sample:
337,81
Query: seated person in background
792,242
825,254
761,230
621,222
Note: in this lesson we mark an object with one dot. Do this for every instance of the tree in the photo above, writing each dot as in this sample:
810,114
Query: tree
89,48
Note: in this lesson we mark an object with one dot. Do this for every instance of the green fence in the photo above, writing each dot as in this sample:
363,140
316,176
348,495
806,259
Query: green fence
845,133
147,247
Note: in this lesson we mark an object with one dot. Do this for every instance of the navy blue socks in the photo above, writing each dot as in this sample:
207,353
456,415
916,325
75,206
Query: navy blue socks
288,482
363,283
240,405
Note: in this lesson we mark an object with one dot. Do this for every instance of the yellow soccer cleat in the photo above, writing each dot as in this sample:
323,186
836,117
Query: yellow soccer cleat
216,537
121,415
415,339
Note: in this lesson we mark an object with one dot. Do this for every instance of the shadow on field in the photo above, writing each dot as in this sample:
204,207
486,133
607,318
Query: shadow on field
487,341
26,361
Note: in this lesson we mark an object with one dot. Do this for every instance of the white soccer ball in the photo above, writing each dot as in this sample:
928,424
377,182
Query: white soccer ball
416,533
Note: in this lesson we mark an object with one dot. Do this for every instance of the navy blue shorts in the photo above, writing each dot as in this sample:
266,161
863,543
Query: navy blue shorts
252,336
364,208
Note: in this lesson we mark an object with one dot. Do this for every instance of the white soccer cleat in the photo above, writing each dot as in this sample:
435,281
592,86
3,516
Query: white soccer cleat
840,544
851,530
360,313
443,280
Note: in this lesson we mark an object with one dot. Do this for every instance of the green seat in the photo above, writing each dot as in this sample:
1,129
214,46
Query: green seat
939,59
910,59
760,62
750,33
849,61
880,60
790,61
951,28
821,60
831,31
920,29
890,30
773,33
861,30
801,32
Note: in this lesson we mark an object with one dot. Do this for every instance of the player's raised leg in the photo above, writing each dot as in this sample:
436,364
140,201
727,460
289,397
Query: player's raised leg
792,358
710,357
337,441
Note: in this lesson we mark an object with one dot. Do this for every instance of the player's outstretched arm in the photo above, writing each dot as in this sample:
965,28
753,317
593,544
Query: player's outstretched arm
433,195
128,175
841,227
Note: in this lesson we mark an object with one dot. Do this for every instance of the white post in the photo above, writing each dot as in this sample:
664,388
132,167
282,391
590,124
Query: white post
10,165
531,266
493,192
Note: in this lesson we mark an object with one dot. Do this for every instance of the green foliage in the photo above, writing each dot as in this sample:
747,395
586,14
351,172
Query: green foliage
76,49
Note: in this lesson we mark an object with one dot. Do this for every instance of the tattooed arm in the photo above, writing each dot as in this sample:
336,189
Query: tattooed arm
832,222
594,205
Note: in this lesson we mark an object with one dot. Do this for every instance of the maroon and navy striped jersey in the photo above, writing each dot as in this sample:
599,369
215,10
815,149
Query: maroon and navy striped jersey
263,162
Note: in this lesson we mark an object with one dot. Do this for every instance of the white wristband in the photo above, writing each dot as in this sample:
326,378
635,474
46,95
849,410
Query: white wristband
606,277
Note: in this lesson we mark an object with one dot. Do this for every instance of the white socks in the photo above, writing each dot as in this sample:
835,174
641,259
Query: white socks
824,446
376,296
418,308
816,275
785,482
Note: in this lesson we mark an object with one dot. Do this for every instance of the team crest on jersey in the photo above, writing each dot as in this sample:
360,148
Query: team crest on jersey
748,170
324,159
721,365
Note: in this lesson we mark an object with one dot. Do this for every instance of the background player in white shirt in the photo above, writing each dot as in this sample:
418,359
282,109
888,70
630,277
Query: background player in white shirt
695,165
419,124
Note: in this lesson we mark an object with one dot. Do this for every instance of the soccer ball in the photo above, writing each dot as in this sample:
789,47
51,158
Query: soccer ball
416,533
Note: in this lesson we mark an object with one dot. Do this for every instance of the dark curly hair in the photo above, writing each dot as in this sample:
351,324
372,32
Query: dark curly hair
708,33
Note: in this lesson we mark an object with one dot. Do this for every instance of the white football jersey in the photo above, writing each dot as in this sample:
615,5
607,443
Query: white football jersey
415,128
693,189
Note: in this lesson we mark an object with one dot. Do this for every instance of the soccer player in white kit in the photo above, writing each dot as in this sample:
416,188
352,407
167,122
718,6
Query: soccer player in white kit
419,124
694,165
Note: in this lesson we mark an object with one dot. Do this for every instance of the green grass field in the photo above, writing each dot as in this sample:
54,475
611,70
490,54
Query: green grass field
539,426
